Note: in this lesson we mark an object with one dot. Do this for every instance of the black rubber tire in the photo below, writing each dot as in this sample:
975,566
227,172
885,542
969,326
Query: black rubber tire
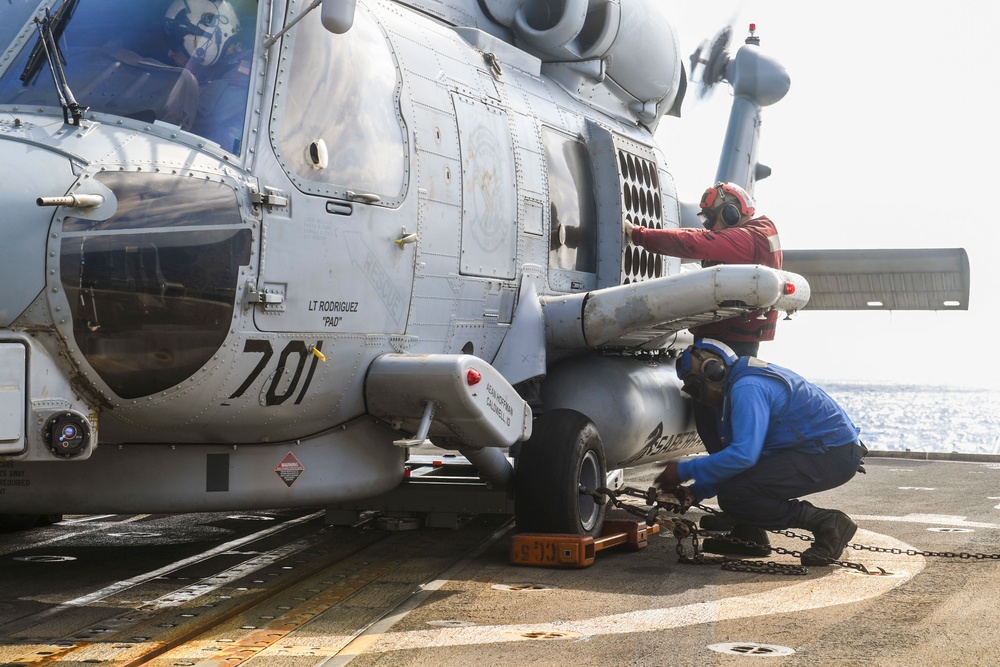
563,453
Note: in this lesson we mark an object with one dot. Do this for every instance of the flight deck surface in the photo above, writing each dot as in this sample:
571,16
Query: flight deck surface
645,608
214,589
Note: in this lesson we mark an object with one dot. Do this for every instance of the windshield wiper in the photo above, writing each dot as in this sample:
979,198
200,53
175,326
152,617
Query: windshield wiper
50,29
56,24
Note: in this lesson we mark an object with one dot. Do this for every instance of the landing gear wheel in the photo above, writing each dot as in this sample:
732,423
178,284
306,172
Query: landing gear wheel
563,454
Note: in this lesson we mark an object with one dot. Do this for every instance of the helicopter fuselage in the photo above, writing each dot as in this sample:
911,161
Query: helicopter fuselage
240,289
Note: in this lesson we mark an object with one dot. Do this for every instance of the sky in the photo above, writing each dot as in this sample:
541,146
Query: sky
887,138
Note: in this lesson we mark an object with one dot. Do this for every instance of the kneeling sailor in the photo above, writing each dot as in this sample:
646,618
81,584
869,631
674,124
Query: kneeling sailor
783,438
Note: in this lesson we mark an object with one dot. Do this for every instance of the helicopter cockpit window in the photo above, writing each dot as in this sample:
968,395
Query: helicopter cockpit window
180,62
152,289
15,14
341,89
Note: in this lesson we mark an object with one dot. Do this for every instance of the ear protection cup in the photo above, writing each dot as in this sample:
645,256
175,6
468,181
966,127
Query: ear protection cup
730,215
713,370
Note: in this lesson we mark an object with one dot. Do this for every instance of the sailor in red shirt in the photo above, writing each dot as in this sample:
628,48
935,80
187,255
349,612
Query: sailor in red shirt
732,235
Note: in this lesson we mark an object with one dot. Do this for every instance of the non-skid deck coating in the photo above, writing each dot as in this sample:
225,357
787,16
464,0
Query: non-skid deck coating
645,608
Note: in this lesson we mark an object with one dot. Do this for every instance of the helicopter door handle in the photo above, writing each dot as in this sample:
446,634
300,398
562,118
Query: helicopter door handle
365,197
270,300
405,238
271,198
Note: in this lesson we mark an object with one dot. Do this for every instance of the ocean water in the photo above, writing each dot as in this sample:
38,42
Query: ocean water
920,418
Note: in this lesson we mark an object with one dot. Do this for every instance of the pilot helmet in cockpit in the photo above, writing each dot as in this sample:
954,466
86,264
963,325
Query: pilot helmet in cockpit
201,29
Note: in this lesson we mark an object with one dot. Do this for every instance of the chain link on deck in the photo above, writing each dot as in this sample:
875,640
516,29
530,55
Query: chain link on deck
681,500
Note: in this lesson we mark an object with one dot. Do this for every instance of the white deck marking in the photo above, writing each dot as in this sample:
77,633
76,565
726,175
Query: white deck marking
936,519
813,593
198,588
12,547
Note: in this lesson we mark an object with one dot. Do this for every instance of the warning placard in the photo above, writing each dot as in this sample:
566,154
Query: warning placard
289,469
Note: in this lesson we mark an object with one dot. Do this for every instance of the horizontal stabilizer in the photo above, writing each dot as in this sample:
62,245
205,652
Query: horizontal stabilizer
897,279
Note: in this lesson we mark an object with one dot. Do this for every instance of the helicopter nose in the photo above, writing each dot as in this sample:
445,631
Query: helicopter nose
27,173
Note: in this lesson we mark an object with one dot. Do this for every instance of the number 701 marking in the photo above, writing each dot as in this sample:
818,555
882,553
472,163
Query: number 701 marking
263,346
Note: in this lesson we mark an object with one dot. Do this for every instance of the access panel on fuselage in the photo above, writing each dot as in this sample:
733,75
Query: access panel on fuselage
489,197
330,261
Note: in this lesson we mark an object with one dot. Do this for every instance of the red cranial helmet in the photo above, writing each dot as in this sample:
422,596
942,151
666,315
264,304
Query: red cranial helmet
728,202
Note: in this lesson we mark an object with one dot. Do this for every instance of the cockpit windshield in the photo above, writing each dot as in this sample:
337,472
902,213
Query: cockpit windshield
15,14
181,62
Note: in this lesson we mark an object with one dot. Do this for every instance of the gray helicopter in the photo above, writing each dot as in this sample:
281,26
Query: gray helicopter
255,253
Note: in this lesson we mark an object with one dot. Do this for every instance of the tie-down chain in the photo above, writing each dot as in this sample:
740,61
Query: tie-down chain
659,504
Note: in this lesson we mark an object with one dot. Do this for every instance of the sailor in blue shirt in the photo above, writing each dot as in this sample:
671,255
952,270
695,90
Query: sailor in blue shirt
783,437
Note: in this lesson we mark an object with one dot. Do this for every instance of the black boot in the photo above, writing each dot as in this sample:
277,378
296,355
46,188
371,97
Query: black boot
720,522
832,530
760,546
